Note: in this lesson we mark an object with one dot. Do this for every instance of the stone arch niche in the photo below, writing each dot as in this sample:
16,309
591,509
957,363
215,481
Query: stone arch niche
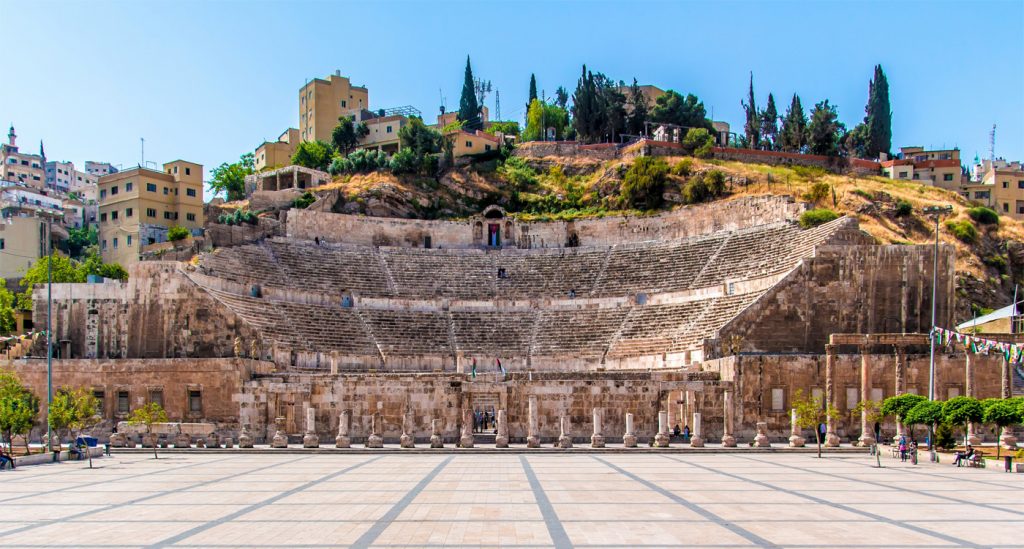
491,227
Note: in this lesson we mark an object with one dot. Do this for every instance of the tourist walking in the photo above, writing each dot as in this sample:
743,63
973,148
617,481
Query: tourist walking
822,431
903,448
686,433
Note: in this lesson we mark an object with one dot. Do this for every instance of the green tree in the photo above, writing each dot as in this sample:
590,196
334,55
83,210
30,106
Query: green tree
80,240
878,119
64,270
770,126
469,109
177,232
313,154
825,131
672,108
752,126
94,265
925,412
644,183
638,113
543,115
73,411
505,127
346,135
19,408
811,411
147,416
230,178
1002,413
962,410
7,301
793,135
900,405
533,91
417,137
561,98
857,141
699,140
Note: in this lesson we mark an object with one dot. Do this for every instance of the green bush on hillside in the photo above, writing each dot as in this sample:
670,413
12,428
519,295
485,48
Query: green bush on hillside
904,208
683,168
817,192
963,230
813,218
644,183
983,215
177,232
304,201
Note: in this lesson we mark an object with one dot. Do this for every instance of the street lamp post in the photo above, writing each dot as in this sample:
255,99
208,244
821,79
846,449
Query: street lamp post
936,212
49,329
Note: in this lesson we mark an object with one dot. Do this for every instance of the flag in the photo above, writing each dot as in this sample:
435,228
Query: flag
474,368
500,367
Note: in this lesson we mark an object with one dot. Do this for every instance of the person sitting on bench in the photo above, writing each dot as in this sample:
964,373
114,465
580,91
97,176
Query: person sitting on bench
965,456
5,459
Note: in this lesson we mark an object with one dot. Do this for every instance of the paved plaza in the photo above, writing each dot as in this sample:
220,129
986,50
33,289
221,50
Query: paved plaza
529,500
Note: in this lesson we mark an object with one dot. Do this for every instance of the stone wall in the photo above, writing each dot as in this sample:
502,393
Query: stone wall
684,222
541,149
847,289
778,158
221,235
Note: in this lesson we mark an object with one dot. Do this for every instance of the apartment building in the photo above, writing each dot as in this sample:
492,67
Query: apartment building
138,206
99,168
63,177
24,212
322,102
277,154
998,184
24,168
940,168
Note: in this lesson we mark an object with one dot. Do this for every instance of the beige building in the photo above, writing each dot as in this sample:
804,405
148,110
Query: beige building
138,206
322,102
999,185
478,142
940,168
278,154
23,227
23,168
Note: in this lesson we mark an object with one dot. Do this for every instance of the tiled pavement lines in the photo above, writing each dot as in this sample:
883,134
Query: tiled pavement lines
108,480
926,472
890,486
711,517
551,521
834,505
389,517
141,499
250,508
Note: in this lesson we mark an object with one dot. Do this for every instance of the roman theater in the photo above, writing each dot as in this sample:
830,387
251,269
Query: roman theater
378,330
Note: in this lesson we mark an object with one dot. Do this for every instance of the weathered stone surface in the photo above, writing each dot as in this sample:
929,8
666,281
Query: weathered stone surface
280,439
501,440
436,441
597,438
661,440
761,440
565,438
344,422
375,440
629,437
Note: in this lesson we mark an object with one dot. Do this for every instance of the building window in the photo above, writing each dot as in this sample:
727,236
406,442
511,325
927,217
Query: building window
1020,184
128,212
188,171
195,401
851,398
129,240
487,147
113,190
151,187
128,187
166,191
190,217
167,215
99,396
113,215
1006,184
103,219
3,244
902,175
343,104
876,394
778,401
389,129
190,192
103,194
115,242
469,144
156,396
175,169
917,176
150,212
947,177
123,403
1006,207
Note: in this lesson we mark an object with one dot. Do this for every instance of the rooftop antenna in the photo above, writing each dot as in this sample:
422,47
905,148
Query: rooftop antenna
497,104
992,144
142,141
444,103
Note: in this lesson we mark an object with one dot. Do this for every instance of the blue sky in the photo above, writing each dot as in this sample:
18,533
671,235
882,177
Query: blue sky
207,81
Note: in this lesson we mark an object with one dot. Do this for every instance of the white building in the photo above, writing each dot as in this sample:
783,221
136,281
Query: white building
99,168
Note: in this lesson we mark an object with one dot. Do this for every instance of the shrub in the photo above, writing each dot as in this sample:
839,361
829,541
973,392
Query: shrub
983,215
817,193
863,194
944,437
644,183
238,217
404,161
813,218
177,232
304,201
963,230
518,173
997,261
809,172
683,168
904,208
699,141
340,165
696,190
716,182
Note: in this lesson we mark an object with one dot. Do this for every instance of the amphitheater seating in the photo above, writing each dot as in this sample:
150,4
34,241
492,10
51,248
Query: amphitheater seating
493,333
408,333
577,333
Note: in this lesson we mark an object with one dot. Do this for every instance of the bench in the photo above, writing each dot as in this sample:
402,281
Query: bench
977,460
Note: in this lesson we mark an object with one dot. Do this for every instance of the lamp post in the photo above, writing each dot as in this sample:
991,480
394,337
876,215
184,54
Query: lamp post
936,212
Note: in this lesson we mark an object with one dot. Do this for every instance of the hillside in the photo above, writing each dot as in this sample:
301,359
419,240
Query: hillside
568,188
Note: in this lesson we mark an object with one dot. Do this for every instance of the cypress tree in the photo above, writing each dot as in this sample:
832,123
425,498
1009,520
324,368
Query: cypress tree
794,127
878,116
533,92
770,125
469,109
752,127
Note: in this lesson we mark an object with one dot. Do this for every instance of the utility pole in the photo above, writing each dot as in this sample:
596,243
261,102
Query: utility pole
497,105
936,212
142,140
49,330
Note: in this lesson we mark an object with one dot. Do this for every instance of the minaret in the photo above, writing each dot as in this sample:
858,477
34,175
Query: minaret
42,152
11,136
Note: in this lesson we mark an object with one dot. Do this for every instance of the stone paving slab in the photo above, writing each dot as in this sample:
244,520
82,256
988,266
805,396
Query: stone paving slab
579,499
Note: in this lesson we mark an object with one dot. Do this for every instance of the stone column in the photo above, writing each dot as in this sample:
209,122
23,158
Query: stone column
867,437
831,437
795,440
435,434
375,440
311,440
1006,438
466,440
670,408
972,434
245,437
501,440
761,440
629,438
344,422
565,438
901,386
728,440
597,439
696,441
532,438
280,439
661,439
407,441
334,362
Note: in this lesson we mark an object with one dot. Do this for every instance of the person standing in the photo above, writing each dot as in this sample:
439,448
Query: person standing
903,448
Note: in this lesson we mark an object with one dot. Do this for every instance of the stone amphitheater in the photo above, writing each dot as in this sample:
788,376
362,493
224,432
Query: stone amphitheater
710,316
